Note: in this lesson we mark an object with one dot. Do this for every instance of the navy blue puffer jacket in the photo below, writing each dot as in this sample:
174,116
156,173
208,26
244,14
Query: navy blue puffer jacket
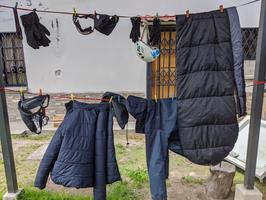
81,153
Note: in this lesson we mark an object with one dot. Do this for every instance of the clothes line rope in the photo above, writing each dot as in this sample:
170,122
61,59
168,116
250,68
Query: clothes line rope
121,16
57,96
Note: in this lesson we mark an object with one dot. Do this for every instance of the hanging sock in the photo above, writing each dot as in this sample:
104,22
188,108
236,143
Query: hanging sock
135,31
105,24
155,33
36,33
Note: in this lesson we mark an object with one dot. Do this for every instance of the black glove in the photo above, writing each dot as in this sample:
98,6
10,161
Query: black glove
135,31
155,34
18,28
35,31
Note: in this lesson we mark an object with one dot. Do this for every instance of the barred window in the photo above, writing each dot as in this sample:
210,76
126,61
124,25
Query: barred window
12,56
250,36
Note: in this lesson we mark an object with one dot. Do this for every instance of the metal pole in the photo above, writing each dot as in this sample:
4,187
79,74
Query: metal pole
257,101
5,137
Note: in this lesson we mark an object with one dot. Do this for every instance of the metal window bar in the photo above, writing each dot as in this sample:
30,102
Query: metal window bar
12,56
250,36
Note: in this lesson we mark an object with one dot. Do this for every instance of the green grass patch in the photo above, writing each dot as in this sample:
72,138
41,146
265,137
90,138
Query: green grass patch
34,194
122,191
35,137
138,176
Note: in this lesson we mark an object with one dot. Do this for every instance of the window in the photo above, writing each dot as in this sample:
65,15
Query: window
250,36
13,60
161,81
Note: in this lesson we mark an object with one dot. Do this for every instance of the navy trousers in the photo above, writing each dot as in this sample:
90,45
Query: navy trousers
158,120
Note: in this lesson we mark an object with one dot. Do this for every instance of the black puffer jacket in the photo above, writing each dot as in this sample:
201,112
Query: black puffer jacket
209,66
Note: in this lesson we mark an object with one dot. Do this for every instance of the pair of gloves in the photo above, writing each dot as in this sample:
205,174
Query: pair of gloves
36,33
155,33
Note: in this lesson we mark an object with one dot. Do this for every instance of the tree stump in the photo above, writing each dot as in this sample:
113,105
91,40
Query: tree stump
221,180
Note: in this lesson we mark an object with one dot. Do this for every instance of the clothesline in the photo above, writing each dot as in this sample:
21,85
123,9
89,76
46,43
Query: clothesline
3,89
56,96
121,16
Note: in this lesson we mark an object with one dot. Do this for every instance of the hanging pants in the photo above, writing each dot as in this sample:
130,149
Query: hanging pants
159,123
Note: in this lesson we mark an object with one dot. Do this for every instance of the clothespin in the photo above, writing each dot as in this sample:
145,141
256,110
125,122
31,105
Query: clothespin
187,13
221,7
72,97
16,5
94,13
155,98
74,12
111,99
157,16
21,93
40,92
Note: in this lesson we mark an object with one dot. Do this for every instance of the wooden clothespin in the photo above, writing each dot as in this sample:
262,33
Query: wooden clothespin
21,93
221,7
111,99
74,12
94,13
187,13
40,92
72,97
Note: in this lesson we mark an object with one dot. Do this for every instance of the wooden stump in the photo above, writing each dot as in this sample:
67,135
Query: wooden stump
221,180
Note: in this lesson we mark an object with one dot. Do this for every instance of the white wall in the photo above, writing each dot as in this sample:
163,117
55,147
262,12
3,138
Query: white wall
96,62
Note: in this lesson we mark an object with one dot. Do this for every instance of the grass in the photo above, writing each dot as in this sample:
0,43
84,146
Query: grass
139,177
132,166
34,194
26,169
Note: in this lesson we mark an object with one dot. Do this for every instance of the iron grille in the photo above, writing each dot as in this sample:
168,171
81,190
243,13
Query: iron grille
12,56
250,36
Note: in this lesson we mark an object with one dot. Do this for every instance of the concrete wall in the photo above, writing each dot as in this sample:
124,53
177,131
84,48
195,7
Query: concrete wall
97,63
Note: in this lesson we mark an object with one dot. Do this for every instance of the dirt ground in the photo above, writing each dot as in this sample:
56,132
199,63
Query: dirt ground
186,180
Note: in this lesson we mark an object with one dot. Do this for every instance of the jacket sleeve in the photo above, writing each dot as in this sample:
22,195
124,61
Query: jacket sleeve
137,107
238,56
120,112
48,160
